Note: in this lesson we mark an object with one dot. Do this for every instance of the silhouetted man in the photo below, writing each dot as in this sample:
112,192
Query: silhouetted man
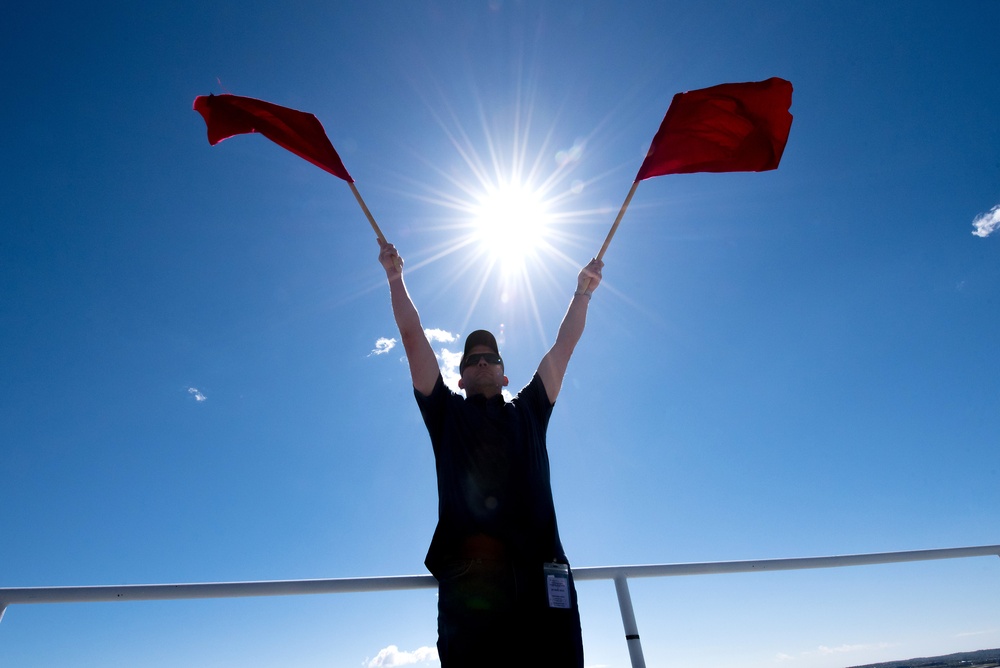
505,592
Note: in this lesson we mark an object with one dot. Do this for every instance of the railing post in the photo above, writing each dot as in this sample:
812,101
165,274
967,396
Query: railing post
628,621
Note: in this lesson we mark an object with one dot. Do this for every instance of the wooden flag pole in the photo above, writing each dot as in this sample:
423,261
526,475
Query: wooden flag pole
368,214
371,219
614,228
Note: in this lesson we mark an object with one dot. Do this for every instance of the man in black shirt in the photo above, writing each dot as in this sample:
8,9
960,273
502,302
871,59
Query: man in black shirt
505,592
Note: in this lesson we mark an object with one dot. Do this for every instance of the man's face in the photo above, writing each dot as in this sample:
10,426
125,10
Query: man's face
481,376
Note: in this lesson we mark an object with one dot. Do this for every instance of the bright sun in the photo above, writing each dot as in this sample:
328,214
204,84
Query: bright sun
513,207
509,222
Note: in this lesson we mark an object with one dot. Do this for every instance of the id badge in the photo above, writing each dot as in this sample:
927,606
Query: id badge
557,584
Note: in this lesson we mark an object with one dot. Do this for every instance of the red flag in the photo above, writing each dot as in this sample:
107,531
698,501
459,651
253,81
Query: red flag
736,127
297,131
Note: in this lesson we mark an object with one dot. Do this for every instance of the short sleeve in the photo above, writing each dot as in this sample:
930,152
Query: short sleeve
534,397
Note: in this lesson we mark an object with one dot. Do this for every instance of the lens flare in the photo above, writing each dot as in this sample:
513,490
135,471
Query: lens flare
510,223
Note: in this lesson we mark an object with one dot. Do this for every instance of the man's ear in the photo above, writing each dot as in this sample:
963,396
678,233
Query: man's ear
461,384
505,381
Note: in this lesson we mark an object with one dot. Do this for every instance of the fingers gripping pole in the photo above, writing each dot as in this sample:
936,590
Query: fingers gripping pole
621,213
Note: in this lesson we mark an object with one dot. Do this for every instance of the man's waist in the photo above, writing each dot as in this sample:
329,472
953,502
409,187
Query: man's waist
483,546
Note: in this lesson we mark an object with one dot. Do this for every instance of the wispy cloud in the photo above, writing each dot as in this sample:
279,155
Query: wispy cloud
846,649
392,656
986,224
824,650
440,336
382,346
966,634
198,396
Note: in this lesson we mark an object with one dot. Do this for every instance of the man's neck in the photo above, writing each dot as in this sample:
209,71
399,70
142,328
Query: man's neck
486,393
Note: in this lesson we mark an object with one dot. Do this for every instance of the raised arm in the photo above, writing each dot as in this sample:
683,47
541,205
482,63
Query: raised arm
423,364
552,368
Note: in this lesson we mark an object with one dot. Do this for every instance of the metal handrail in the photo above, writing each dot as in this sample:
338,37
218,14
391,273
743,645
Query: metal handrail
620,574
761,565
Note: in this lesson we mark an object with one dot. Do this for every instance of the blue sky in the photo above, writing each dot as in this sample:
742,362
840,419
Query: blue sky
795,363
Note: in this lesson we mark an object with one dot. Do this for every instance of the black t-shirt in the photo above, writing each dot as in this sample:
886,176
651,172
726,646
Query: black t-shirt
492,473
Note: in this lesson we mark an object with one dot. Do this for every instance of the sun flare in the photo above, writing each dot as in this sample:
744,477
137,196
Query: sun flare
513,234
509,223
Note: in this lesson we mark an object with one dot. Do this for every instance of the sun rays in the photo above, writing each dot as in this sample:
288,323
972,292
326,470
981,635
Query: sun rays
510,223
512,216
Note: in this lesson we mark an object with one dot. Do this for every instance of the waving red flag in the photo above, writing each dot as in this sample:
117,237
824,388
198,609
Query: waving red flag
297,131
735,127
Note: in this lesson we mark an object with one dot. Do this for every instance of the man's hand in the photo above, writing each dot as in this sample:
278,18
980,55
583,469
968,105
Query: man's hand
389,258
589,278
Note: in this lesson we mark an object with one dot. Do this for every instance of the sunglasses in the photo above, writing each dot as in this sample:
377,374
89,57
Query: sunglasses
491,358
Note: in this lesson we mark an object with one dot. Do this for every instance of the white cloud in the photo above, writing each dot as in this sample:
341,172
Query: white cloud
844,649
967,634
440,336
392,656
986,224
449,362
382,346
831,651
198,396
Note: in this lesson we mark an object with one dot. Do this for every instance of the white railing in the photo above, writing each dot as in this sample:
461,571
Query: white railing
620,575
